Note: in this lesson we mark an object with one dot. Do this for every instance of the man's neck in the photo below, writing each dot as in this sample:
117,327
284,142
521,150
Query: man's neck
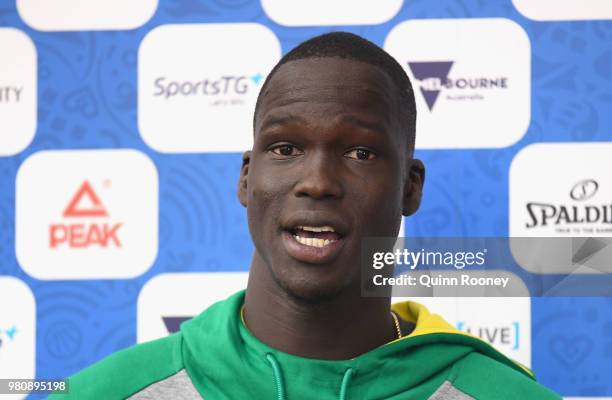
341,328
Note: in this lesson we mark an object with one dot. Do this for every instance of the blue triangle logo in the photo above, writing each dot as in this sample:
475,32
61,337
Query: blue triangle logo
425,70
257,78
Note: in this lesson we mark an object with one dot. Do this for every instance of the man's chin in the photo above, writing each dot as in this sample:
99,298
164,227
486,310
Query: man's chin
311,292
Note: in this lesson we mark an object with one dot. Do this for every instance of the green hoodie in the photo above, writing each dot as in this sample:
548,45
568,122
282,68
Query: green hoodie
214,357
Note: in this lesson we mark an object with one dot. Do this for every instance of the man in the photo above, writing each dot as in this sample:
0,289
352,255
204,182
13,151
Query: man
332,163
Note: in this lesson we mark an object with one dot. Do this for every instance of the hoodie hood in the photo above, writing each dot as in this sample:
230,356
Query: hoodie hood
224,360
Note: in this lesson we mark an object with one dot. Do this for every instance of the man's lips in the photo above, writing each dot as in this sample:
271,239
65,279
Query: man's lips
311,254
315,219
314,236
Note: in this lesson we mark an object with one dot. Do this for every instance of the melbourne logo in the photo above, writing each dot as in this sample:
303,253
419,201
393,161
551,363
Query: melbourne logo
433,78
86,223
225,90
582,213
173,323
168,300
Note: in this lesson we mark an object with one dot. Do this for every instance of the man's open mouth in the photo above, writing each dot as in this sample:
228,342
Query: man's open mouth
315,236
314,240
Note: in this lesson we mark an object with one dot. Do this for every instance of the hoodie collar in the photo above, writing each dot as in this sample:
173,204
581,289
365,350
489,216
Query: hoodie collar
219,352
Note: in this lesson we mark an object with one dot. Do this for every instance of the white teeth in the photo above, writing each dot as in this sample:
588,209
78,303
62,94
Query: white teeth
314,242
325,228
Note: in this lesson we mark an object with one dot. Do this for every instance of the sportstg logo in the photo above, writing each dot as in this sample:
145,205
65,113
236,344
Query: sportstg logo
227,85
7,335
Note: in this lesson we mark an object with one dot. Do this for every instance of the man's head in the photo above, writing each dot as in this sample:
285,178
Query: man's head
349,46
333,143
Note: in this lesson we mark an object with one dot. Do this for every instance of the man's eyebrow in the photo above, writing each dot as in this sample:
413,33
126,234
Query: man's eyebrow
282,119
379,127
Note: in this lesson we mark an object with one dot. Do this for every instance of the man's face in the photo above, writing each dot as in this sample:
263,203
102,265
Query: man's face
329,166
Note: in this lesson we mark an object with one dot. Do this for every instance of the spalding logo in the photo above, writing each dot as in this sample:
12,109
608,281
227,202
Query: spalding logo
584,190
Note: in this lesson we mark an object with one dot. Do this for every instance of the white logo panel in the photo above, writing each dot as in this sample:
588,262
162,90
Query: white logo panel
505,323
337,12
560,10
587,398
561,190
169,299
77,15
200,96
468,93
18,91
17,331
86,214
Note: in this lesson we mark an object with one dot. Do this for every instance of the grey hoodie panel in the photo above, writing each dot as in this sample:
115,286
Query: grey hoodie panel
180,387
174,387
447,391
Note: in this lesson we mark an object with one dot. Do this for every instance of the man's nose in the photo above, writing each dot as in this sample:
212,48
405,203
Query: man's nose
319,178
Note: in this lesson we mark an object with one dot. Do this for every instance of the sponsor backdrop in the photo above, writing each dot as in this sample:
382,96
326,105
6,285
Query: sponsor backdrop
122,126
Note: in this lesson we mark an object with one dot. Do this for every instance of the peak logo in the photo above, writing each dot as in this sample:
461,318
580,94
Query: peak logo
74,207
98,219
85,204
433,78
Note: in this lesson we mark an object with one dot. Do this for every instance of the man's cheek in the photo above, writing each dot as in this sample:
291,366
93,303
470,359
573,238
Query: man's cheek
264,209
258,201
267,187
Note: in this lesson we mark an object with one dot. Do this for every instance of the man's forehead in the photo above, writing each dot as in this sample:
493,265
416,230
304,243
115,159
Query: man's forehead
346,83
328,72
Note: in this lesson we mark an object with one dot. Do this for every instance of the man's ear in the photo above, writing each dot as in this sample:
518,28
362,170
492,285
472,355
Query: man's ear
413,186
242,181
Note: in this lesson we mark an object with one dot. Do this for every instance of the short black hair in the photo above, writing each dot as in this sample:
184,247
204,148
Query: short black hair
353,47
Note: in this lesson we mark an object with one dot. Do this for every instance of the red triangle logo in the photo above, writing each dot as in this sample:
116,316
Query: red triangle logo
96,209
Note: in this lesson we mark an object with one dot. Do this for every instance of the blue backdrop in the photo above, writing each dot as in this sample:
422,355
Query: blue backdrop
87,98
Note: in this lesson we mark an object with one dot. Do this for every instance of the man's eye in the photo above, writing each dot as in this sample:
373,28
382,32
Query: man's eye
360,154
285,150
